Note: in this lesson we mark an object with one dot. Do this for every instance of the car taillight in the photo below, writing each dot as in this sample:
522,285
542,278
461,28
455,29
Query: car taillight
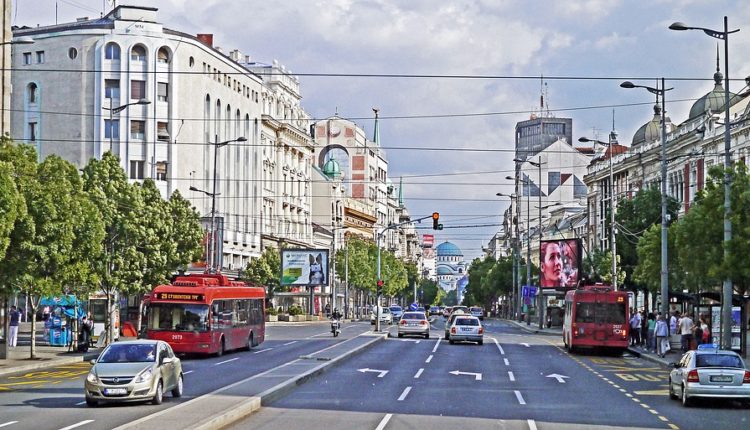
481,330
403,322
423,323
746,378
453,330
692,376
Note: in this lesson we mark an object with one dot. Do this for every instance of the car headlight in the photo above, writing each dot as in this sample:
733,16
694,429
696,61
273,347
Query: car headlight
144,376
92,378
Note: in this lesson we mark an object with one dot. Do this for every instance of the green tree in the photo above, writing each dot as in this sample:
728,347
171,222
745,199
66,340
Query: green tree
265,271
187,233
120,204
12,206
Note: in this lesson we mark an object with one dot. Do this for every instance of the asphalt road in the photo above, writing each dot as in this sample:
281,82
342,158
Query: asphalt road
515,380
53,399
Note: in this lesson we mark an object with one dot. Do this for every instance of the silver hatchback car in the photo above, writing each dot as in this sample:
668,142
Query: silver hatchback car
709,372
134,371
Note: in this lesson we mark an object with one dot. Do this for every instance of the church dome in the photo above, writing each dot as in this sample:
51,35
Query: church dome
651,130
447,249
332,168
713,102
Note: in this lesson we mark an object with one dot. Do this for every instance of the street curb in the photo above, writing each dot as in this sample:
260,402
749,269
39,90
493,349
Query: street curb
254,403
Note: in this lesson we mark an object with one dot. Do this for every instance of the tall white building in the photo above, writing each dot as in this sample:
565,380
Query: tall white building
74,83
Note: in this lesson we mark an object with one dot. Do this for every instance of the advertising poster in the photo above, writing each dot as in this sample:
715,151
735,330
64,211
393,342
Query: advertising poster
560,263
736,327
304,267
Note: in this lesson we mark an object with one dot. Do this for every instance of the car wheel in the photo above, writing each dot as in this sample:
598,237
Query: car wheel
672,395
400,335
480,342
451,341
249,343
91,402
177,390
159,396
427,335
685,399
220,352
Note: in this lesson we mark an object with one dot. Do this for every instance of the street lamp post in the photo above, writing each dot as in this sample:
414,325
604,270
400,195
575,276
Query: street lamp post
212,247
515,251
528,236
612,239
118,109
664,268
726,300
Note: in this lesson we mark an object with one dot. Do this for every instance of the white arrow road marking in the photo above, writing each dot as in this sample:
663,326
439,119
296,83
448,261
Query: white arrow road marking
77,424
404,394
477,376
560,378
384,422
381,372
525,344
521,401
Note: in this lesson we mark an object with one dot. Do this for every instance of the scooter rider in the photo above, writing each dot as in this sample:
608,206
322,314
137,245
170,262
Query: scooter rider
336,314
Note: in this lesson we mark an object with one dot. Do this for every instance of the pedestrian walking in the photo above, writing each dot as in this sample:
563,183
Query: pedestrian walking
651,337
673,323
15,317
635,329
685,327
661,331
644,330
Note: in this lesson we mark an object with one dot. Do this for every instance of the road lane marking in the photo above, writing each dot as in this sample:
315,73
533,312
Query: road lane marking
499,347
510,375
434,348
384,421
289,343
532,424
188,372
507,363
673,427
653,412
428,359
82,423
521,401
663,418
8,423
262,350
418,374
652,392
227,361
77,404
404,394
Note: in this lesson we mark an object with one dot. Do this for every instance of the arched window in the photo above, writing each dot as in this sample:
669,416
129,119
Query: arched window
237,124
112,51
217,121
138,53
163,55
227,128
32,92
207,119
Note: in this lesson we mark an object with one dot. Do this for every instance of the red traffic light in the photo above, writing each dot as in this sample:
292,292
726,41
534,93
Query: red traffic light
380,282
436,216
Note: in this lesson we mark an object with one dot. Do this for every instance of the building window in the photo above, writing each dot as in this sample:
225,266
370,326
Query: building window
137,90
72,53
162,131
138,53
161,171
27,58
136,169
112,51
32,92
112,129
40,57
162,56
112,88
32,131
191,62
138,129
162,91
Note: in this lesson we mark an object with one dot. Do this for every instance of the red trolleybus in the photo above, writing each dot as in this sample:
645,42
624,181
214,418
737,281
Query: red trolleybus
207,314
596,317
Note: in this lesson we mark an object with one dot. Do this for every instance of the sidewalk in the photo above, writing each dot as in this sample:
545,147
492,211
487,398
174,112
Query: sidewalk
18,359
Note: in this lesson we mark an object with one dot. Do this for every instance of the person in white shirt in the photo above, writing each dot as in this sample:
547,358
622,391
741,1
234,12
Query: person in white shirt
686,326
673,322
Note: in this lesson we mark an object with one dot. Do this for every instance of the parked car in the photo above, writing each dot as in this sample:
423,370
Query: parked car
396,312
414,323
709,372
139,370
477,312
385,315
450,320
466,328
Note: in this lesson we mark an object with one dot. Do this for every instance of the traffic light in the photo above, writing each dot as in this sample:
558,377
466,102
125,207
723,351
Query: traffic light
435,218
380,286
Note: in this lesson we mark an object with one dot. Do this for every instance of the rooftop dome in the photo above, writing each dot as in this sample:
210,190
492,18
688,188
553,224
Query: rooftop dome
447,249
444,270
651,130
712,102
332,168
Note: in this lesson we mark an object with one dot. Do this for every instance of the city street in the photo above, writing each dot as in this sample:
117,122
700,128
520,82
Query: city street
515,380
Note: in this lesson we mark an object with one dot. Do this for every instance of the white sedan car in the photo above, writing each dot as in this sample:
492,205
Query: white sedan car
466,328
385,315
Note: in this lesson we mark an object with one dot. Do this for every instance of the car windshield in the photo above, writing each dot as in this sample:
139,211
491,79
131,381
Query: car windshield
178,317
134,353
395,308
413,316
467,321
718,360
476,309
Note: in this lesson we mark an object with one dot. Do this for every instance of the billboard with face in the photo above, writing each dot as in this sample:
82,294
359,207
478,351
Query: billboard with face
304,267
560,263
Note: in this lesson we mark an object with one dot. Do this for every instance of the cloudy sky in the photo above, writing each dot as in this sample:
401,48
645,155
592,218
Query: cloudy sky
480,57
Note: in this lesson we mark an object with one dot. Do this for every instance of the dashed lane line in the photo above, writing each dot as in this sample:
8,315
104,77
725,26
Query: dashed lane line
502,352
227,361
418,374
289,343
404,394
262,350
511,376
507,363
521,401
384,422
188,372
9,423
428,359
532,424
82,423
434,348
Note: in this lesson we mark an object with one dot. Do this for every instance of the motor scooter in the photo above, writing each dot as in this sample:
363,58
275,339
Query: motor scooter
335,327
